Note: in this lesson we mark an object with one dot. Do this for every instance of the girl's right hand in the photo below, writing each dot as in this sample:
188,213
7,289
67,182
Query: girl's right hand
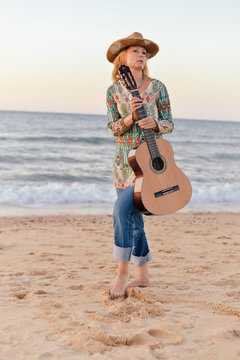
135,104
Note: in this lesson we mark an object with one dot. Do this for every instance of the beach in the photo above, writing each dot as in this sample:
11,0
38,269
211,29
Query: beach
56,242
66,134
56,271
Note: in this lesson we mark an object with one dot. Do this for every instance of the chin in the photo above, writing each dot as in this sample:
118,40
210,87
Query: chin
138,67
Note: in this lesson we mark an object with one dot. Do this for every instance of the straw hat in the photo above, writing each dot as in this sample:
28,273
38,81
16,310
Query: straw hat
134,39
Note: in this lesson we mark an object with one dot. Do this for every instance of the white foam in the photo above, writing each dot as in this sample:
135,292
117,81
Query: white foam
57,194
216,194
77,195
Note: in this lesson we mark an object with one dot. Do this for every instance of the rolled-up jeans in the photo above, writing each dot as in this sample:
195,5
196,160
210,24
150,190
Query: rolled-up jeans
129,235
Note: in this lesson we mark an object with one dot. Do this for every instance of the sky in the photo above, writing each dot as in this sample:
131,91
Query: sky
53,53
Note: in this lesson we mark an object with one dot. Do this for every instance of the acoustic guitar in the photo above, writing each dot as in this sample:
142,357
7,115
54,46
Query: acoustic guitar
160,187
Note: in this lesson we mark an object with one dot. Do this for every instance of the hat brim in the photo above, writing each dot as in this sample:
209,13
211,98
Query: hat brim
115,48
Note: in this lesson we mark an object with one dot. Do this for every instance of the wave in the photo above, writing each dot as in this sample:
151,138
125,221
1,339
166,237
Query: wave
214,194
56,194
79,194
61,139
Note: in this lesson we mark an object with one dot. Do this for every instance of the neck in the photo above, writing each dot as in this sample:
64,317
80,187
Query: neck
138,75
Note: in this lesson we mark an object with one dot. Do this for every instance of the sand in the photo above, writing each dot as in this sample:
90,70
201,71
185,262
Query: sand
56,272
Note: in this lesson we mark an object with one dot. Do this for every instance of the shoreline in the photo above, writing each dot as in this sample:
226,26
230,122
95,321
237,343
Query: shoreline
19,211
26,211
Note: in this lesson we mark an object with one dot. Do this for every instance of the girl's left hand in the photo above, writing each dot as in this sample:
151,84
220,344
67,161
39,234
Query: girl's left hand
147,123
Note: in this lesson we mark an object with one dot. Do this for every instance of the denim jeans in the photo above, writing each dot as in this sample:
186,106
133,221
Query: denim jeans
129,236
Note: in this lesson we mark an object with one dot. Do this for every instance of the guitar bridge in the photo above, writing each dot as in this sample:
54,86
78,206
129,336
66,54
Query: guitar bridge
166,191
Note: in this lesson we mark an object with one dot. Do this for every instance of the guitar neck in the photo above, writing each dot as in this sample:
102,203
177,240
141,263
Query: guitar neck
148,133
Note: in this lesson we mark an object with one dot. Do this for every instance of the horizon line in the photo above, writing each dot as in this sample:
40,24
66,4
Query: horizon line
71,113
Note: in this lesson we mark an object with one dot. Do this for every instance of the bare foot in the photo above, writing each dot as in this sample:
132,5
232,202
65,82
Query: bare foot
119,288
139,283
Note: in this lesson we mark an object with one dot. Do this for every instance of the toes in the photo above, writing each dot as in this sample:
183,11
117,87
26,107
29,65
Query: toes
117,296
112,296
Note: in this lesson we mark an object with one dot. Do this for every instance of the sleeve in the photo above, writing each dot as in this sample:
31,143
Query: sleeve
115,123
165,122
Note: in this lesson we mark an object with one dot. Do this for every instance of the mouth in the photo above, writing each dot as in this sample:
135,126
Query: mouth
140,61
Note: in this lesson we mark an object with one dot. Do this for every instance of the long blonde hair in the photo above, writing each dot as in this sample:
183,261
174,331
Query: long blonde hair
120,60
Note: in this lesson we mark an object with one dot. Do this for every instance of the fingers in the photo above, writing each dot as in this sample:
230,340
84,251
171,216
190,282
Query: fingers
135,102
135,105
146,123
134,99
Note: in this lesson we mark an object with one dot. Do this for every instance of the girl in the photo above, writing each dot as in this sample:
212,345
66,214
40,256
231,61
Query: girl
129,236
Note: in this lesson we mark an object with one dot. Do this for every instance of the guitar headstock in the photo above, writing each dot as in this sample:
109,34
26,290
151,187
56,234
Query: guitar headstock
127,77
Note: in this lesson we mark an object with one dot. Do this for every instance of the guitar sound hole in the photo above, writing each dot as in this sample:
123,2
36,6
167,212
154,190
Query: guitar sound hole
158,163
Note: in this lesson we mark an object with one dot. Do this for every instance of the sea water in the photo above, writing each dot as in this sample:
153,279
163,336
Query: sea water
63,162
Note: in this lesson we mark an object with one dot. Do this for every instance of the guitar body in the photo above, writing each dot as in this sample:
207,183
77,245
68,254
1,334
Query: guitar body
158,192
161,187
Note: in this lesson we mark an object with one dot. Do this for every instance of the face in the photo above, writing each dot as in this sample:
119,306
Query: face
136,57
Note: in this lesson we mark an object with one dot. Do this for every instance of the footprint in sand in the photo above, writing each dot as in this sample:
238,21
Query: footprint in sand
132,292
52,337
40,292
182,287
204,341
236,332
20,273
134,305
224,237
231,333
165,338
47,355
37,272
5,247
29,294
234,294
21,295
48,259
227,282
76,287
65,246
103,338
101,319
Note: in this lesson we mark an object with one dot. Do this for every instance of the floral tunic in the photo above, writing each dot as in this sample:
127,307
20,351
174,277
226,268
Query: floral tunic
157,105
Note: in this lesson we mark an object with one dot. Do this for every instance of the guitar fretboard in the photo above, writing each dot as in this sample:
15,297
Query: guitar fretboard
148,133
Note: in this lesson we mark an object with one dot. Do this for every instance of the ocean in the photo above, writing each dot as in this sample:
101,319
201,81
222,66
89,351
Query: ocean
62,163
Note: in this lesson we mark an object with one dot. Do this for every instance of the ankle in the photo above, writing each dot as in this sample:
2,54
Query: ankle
122,274
142,271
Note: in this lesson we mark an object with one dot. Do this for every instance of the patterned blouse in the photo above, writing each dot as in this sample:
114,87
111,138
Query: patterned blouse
157,105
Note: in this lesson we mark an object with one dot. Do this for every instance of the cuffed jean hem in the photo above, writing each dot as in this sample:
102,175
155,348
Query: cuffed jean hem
140,260
122,254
